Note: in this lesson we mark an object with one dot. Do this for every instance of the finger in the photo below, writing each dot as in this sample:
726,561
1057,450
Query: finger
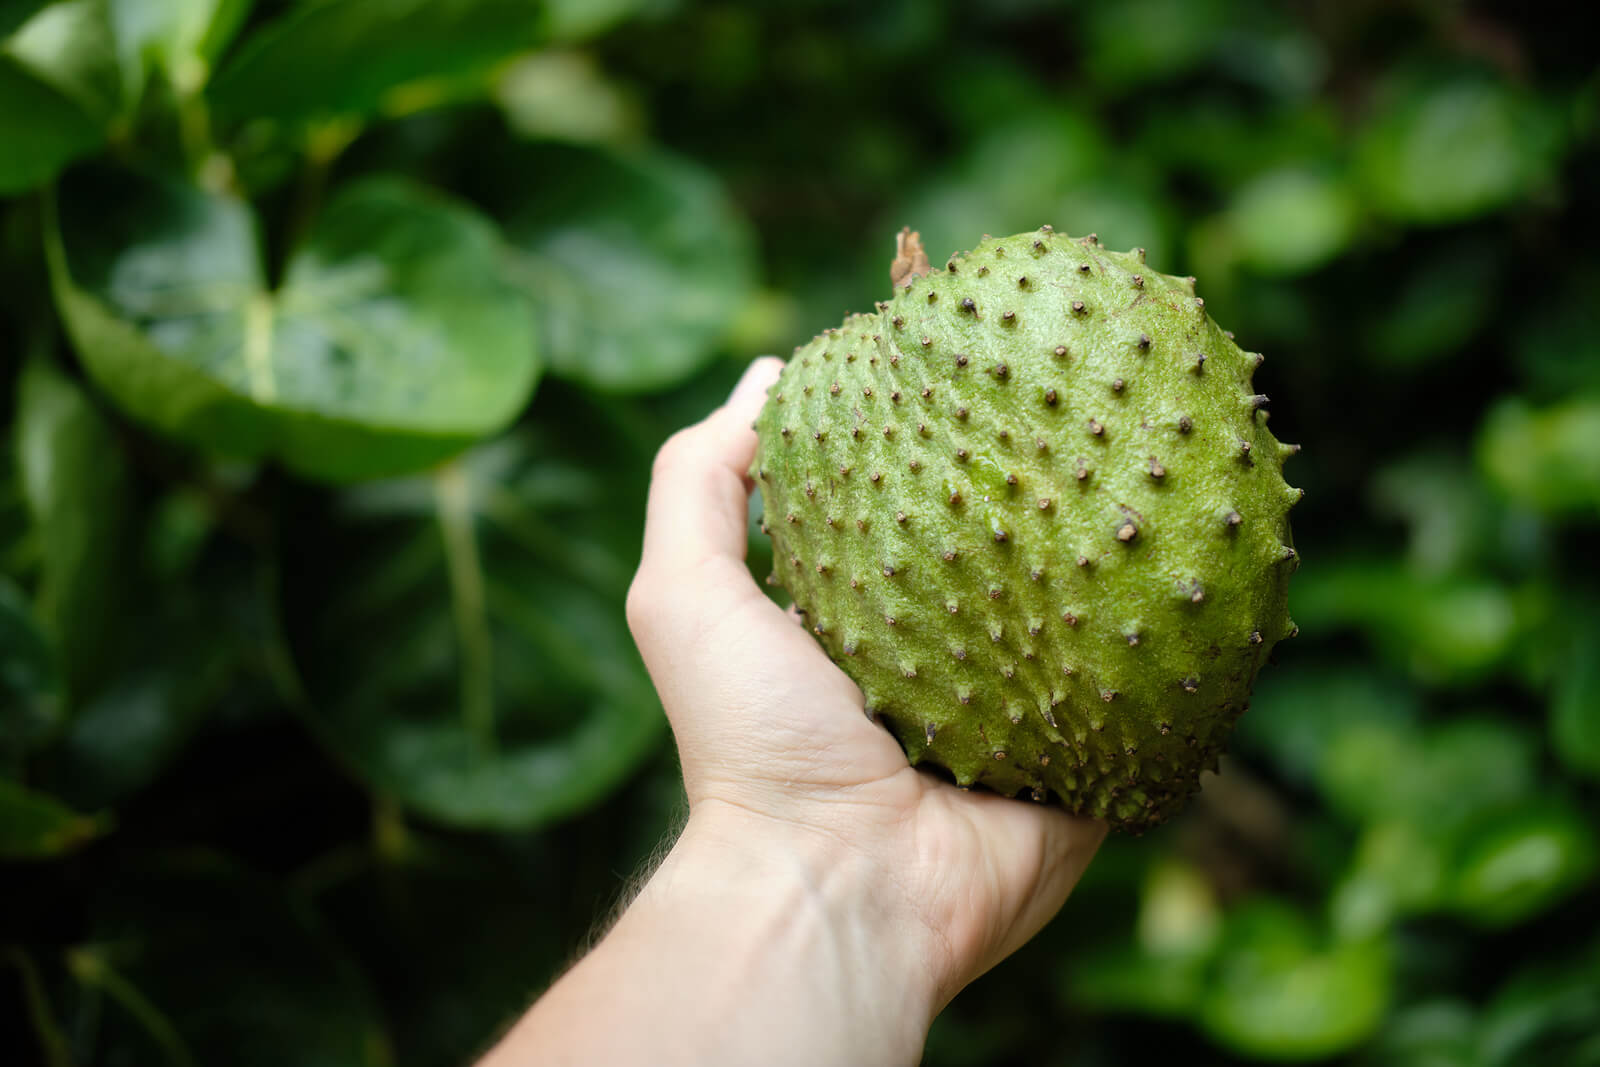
699,492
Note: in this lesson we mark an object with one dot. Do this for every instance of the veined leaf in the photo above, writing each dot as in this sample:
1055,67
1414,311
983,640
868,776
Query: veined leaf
341,57
639,262
391,343
474,662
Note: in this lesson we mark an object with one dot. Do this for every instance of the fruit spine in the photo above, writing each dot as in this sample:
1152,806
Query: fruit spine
1031,506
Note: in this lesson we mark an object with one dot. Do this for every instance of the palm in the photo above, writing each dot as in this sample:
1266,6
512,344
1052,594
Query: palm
767,723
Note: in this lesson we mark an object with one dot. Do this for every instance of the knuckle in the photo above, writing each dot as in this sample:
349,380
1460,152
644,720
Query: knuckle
641,605
674,453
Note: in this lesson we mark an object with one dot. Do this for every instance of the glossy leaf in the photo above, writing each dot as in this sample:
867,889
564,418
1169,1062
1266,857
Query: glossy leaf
391,343
342,57
35,826
179,37
75,481
1279,992
638,262
71,46
474,663
42,129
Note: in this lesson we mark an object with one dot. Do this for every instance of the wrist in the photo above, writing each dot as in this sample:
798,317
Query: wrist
819,923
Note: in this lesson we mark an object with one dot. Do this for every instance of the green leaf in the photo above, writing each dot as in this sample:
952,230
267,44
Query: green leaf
31,707
1297,712
449,986
1437,306
71,47
36,826
197,959
474,663
1546,1015
1518,863
343,57
391,343
14,13
1291,221
1546,458
42,130
1575,705
1433,1033
1281,992
638,261
1043,165
576,20
76,485
1450,627
1444,150
179,37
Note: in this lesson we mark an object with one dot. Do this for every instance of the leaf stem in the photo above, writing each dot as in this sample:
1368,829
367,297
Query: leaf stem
90,968
51,1040
453,500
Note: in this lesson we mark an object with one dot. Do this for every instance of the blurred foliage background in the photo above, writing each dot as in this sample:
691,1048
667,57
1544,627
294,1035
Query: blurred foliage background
335,340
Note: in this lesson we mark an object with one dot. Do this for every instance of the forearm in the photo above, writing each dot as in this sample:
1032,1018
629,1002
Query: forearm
733,956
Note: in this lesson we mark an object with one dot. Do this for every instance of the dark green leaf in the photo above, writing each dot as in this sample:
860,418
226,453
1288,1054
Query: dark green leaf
71,46
474,663
638,262
76,485
391,343
1438,307
36,826
14,13
1546,1015
449,984
1297,713
1439,1033
31,707
42,130
1575,706
215,966
343,57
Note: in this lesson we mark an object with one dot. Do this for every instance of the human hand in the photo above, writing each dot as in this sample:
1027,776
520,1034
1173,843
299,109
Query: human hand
773,738
824,900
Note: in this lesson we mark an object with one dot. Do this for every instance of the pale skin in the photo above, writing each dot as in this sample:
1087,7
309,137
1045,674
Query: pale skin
825,900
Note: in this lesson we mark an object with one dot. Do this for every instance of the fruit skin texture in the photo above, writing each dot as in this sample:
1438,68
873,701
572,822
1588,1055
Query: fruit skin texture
1031,506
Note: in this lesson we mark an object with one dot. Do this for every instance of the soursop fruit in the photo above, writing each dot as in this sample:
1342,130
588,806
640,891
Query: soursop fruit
1031,506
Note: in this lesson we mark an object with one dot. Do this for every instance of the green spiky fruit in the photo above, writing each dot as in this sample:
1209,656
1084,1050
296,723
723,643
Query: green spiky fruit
1031,506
